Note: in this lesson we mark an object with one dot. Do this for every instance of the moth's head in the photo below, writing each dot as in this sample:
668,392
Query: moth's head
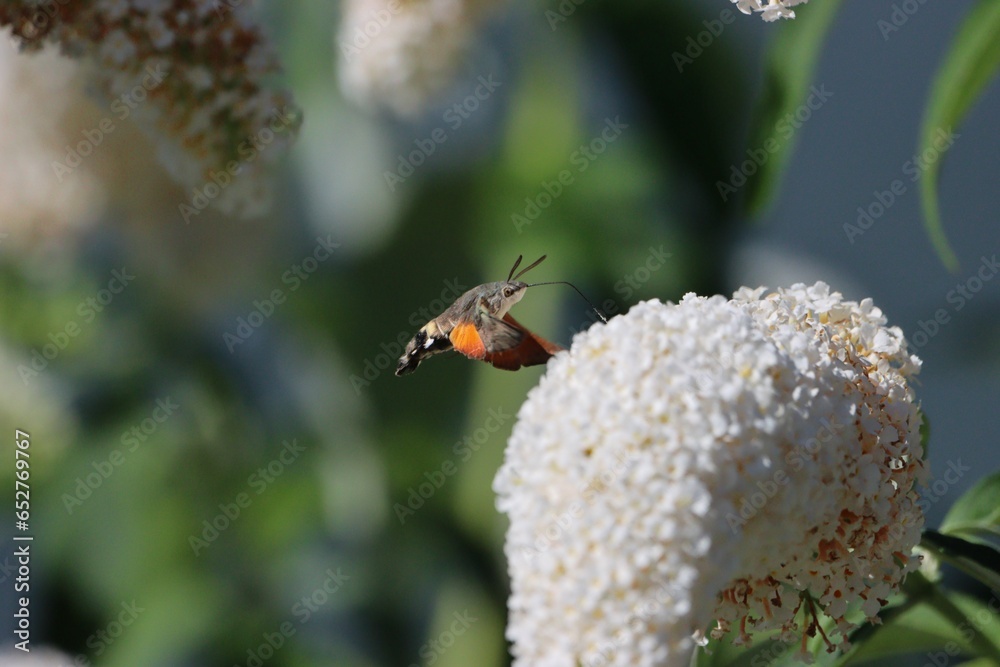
510,293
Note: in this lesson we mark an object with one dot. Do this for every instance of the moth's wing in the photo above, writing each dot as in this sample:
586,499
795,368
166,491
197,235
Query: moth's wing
499,335
528,350
482,334
466,339
546,345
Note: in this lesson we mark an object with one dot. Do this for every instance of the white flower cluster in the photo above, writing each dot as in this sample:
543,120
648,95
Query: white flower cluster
399,53
750,462
190,72
770,10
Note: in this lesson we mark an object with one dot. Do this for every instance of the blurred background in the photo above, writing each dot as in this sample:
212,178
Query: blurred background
225,470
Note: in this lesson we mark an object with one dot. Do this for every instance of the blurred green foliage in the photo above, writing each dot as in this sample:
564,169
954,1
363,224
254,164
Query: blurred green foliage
162,530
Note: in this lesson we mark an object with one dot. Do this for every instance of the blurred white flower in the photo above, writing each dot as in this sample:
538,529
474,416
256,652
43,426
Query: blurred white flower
399,53
154,60
160,33
750,461
770,10
33,113
200,77
38,657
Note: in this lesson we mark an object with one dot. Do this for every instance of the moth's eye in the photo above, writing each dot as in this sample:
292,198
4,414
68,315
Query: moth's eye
508,291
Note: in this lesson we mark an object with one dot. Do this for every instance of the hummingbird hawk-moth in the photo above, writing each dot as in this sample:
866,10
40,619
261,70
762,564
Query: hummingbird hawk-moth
479,325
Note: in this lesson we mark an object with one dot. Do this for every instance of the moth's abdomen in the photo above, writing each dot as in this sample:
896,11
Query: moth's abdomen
427,342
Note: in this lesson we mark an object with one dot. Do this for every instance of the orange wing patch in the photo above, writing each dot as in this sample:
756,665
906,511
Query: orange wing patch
466,340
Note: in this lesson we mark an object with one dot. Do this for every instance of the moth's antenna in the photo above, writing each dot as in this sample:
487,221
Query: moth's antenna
529,268
517,263
563,282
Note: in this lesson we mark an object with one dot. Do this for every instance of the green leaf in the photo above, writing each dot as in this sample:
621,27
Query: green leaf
976,515
981,561
788,72
972,62
940,619
922,629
